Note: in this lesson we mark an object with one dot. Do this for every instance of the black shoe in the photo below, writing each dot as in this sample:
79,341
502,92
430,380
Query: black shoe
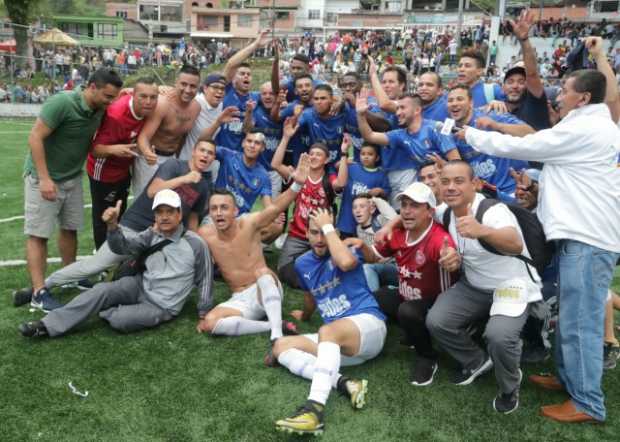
611,354
43,300
466,377
33,329
22,296
423,372
535,355
506,402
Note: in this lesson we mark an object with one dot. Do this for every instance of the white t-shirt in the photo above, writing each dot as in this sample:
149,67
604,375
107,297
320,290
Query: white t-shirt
486,270
206,118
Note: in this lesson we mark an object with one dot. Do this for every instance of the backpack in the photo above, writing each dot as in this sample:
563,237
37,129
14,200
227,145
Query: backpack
136,265
541,251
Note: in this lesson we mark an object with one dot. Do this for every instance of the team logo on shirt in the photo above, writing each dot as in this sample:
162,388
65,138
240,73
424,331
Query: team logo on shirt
420,259
307,275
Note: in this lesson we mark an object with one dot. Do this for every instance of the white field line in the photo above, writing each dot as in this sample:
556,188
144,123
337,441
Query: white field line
22,262
18,217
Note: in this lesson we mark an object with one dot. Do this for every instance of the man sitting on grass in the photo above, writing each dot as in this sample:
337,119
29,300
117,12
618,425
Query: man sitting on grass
332,276
145,300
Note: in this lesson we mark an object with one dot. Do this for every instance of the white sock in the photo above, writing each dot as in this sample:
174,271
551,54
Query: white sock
237,326
325,371
301,364
272,303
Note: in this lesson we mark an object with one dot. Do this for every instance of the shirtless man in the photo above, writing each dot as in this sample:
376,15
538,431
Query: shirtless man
163,135
235,244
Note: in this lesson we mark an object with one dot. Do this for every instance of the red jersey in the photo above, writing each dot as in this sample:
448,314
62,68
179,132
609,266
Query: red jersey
311,196
419,272
119,126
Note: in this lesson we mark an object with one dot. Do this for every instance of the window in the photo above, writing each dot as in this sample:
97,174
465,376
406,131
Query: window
209,5
227,23
282,15
121,14
331,17
244,21
149,12
314,14
71,28
106,30
172,13
194,4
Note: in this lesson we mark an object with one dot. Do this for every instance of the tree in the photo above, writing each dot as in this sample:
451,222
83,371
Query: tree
21,13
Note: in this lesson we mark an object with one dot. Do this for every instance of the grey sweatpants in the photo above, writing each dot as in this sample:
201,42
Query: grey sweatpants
457,308
122,303
102,260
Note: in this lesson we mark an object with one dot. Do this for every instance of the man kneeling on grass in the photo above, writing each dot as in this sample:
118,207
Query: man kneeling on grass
333,277
157,295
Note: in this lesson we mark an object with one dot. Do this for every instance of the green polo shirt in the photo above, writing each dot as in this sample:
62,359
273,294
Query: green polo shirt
73,126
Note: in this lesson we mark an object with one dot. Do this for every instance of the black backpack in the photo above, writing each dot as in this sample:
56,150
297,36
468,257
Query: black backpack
541,251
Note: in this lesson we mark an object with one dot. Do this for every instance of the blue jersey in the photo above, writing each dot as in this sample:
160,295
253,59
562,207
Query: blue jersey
480,97
361,180
299,142
351,127
273,134
245,183
410,150
231,134
327,130
437,110
492,169
337,294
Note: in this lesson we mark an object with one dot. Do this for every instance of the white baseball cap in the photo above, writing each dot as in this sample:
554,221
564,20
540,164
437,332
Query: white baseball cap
166,197
510,298
420,193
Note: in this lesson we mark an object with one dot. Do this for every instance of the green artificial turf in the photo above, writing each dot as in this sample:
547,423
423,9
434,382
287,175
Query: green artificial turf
173,384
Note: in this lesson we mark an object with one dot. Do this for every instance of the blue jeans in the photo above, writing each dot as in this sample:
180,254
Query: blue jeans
585,273
381,275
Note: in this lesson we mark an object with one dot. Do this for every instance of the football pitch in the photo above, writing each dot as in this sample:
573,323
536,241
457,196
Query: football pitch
173,384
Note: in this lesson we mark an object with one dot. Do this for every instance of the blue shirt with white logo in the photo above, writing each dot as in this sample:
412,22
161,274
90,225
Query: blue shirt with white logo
327,130
351,127
245,183
231,134
337,294
272,131
298,144
410,150
361,180
492,169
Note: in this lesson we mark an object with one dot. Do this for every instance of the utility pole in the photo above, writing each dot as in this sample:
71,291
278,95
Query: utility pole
459,25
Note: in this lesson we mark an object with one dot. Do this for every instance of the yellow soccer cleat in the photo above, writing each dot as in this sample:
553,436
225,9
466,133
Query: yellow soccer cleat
355,389
308,419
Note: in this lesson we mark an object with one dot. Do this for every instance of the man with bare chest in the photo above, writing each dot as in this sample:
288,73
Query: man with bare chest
163,136
235,244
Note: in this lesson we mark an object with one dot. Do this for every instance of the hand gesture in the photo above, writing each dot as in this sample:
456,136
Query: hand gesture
460,135
356,243
372,66
321,217
439,162
111,214
48,189
594,45
449,258
346,144
230,113
521,27
486,123
303,169
262,38
336,105
383,234
281,97
468,226
125,151
150,156
250,105
361,103
496,106
192,177
290,127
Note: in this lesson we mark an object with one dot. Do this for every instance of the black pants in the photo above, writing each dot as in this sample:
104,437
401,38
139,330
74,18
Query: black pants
104,195
411,317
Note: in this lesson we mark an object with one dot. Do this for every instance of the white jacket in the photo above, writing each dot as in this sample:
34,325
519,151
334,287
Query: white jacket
579,196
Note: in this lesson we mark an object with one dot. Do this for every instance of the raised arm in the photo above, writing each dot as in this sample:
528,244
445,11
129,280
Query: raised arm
361,107
595,47
504,239
343,168
248,118
229,114
343,258
382,98
278,156
521,30
243,54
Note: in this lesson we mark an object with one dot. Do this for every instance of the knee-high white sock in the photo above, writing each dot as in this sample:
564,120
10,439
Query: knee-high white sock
272,303
298,362
325,371
237,326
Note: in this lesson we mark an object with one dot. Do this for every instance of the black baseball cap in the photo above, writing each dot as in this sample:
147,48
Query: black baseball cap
514,70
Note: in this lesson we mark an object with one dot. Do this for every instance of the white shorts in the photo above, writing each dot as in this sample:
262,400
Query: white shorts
372,337
247,302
